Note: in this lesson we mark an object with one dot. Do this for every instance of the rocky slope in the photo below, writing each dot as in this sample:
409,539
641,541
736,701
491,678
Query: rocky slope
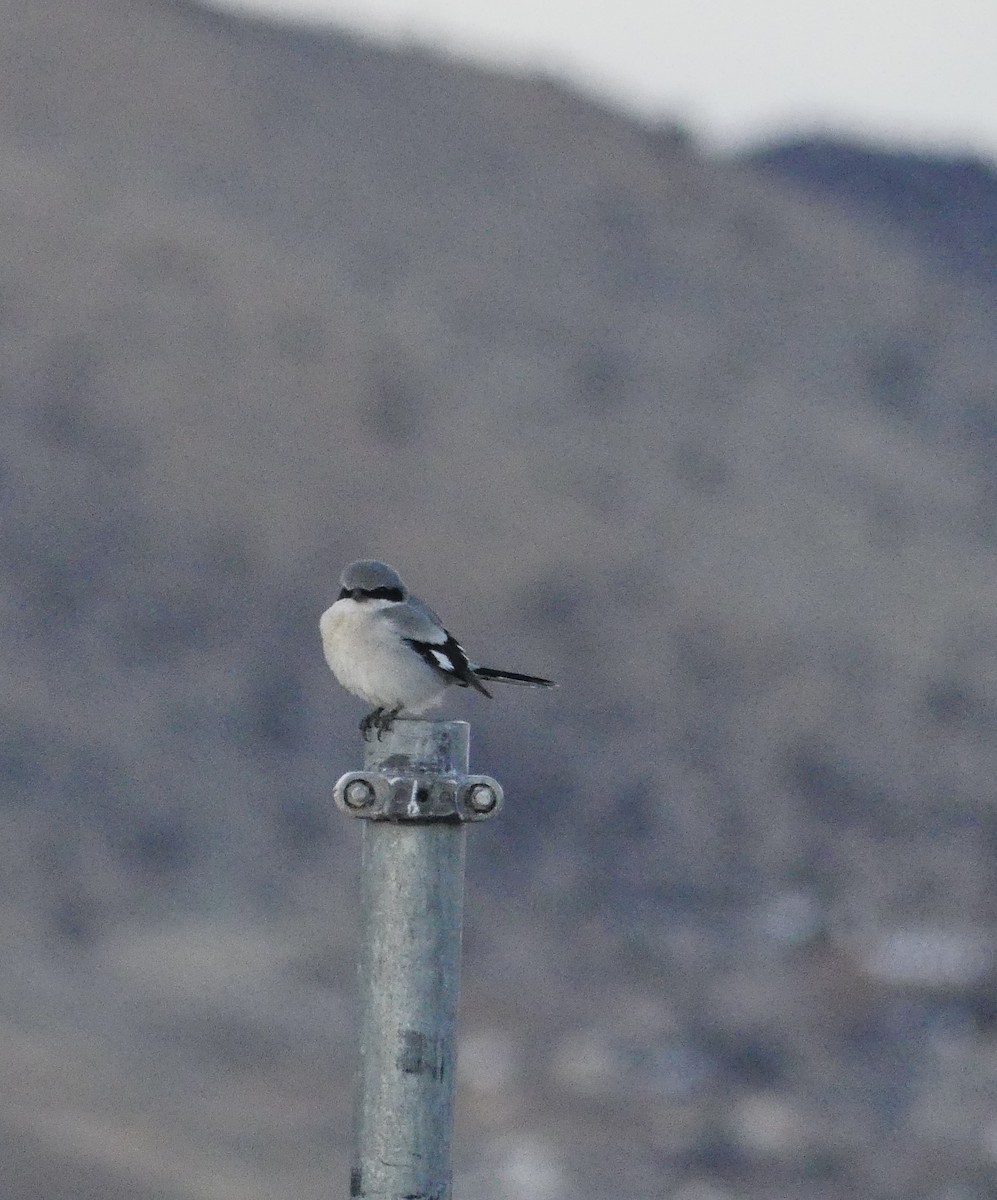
716,457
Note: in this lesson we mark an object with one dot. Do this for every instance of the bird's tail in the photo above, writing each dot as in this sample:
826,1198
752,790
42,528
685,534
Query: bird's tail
512,677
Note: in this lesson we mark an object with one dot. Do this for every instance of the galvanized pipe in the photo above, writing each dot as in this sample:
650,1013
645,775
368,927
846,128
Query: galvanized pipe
417,798
412,891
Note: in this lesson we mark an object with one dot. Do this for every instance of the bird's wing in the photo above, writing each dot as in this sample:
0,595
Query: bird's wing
425,633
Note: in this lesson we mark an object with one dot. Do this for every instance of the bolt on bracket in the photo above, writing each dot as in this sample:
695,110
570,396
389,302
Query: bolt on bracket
418,797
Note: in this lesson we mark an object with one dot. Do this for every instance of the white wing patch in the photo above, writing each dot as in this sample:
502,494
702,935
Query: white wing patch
443,661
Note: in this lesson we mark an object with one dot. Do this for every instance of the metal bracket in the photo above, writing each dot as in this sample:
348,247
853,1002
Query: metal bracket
377,797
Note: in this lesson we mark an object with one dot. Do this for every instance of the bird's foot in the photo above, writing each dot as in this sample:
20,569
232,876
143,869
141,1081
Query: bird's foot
370,721
380,719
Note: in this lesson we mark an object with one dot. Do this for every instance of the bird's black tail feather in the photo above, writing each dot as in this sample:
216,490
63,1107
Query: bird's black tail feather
512,677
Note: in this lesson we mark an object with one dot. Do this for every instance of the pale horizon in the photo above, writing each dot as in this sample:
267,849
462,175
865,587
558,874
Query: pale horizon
913,74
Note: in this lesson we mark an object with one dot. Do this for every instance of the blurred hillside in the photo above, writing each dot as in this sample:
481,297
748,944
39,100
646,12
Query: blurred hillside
717,458
947,205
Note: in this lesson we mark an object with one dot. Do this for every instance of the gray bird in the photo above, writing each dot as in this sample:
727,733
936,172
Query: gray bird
390,649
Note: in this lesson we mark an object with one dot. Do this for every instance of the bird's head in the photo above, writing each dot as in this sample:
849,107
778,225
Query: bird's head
369,579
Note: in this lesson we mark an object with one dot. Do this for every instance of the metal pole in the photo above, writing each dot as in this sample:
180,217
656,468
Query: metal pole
416,796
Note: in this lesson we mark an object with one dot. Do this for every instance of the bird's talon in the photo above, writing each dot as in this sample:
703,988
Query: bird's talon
371,720
382,719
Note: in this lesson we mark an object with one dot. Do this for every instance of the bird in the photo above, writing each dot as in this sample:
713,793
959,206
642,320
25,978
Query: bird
389,648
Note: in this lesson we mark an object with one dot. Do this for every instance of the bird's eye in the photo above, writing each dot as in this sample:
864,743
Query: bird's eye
343,594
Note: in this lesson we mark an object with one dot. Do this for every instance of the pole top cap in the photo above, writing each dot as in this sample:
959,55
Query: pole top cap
418,771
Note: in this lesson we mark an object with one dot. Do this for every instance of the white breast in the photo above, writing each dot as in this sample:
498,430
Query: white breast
370,660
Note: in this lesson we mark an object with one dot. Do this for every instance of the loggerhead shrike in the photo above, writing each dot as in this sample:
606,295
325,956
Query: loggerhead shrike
390,649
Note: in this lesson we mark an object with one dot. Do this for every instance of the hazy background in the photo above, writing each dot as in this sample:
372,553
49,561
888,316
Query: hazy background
918,72
708,437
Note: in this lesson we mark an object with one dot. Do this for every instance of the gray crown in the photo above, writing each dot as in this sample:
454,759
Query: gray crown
368,575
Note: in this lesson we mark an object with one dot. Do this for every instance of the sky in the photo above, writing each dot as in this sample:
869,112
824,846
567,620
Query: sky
909,72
